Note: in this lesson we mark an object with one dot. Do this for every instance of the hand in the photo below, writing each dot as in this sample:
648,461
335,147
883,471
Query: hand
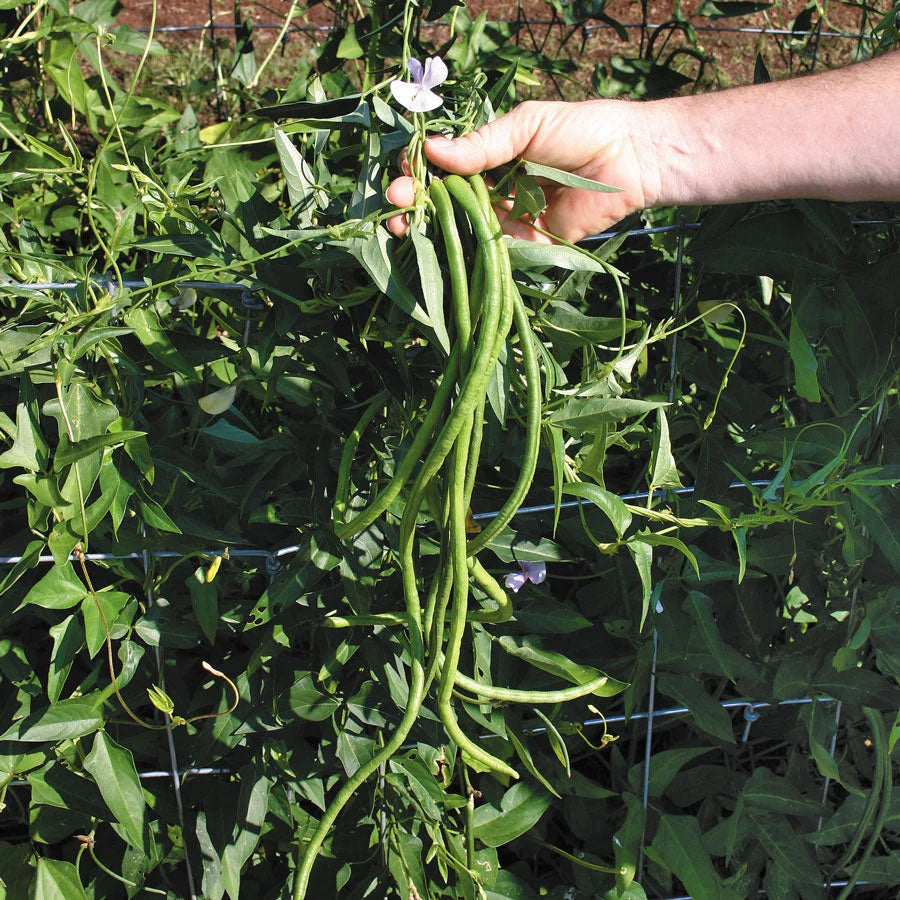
597,139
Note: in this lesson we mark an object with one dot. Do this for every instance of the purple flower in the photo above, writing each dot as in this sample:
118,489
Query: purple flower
417,95
535,572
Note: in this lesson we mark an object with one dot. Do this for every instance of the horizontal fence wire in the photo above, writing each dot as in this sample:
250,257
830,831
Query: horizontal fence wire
113,285
598,721
275,555
587,28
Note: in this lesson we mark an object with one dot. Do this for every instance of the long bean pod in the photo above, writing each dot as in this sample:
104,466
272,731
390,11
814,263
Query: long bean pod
512,695
458,619
442,460
408,464
532,430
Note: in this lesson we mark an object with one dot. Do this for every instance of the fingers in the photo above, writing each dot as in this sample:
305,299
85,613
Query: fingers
498,142
401,192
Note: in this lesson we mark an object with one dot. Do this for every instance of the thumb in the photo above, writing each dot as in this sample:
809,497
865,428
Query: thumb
498,142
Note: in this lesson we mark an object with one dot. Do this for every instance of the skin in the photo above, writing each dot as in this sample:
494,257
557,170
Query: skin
830,136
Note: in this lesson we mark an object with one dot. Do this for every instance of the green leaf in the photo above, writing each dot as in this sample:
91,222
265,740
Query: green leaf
16,870
29,449
520,809
60,588
529,199
519,744
721,9
112,603
375,253
568,179
529,650
299,179
664,766
57,880
841,827
156,517
68,639
627,843
557,443
666,540
150,333
792,854
642,554
112,767
701,609
879,508
67,453
778,244
612,506
663,470
708,714
30,557
857,687
349,47
66,719
678,847
530,255
557,744
205,601
766,791
881,870
344,112
805,364
570,329
56,785
583,416
633,892
432,286
251,815
550,617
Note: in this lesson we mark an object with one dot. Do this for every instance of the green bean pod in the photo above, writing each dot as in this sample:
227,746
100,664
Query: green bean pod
532,431
342,493
390,493
458,617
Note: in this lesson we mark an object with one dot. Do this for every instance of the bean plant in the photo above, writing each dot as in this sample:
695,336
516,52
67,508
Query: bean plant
342,564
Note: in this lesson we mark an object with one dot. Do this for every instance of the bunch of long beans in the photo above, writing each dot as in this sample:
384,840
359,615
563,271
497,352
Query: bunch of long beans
438,473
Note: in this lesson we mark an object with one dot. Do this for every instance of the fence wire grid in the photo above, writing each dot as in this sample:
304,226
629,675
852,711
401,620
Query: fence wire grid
248,297
751,709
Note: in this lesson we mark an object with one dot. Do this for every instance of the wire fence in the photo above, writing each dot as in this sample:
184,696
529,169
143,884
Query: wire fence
751,709
800,40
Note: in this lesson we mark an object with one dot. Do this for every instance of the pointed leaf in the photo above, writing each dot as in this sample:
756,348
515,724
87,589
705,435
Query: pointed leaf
612,506
432,286
57,880
520,809
112,767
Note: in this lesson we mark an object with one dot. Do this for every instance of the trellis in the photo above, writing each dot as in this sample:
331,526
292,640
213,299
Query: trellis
272,559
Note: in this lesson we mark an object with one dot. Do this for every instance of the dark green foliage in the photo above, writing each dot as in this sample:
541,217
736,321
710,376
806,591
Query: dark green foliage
779,588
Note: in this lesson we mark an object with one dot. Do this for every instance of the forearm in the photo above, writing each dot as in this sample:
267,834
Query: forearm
832,136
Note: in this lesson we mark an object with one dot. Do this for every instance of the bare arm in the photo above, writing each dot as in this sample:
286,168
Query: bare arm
833,136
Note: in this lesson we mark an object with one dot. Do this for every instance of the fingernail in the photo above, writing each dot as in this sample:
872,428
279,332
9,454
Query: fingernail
442,139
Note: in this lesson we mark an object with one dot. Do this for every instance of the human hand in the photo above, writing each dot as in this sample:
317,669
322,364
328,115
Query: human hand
603,140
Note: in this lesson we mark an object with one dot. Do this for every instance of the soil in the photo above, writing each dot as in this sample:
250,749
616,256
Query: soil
732,55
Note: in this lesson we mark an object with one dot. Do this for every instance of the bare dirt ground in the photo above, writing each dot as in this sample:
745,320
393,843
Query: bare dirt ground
733,53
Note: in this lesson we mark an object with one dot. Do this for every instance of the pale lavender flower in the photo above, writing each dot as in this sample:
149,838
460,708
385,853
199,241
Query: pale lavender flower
417,95
535,572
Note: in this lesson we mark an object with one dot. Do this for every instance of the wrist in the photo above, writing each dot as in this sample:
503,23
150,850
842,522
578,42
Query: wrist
673,154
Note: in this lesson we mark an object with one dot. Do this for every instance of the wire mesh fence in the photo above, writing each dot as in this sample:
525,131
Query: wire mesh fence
844,31
750,709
